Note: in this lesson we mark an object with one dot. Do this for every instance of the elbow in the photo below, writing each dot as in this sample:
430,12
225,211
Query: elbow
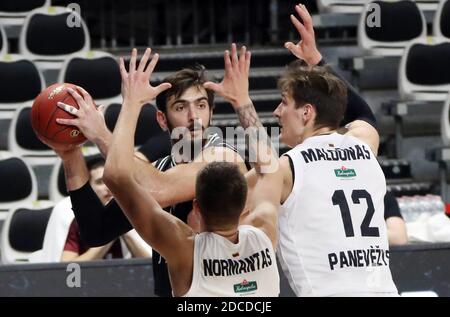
398,239
114,175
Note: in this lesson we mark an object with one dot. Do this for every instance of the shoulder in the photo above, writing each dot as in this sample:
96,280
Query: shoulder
364,132
255,232
219,154
163,162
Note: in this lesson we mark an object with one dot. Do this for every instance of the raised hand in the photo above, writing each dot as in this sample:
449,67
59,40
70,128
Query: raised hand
234,85
306,48
136,88
89,118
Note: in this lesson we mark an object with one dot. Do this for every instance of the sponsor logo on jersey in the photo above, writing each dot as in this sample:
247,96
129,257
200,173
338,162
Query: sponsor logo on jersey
245,286
345,172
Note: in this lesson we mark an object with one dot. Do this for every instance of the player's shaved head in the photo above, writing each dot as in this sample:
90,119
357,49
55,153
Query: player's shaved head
221,192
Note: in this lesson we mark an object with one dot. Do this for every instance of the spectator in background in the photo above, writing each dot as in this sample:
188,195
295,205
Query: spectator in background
62,229
394,221
129,244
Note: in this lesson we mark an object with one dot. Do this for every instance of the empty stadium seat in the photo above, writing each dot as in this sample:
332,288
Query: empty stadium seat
23,141
445,123
13,12
18,183
341,6
20,83
424,72
401,23
57,183
97,72
3,42
147,125
441,23
427,5
47,38
23,232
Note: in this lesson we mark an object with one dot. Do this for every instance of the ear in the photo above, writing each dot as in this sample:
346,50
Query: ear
308,112
162,120
210,117
198,216
195,206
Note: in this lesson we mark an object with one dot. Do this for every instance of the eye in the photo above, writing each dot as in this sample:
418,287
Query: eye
179,107
202,105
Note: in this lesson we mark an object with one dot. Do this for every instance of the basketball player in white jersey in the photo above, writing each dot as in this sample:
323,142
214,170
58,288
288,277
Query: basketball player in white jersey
226,259
333,239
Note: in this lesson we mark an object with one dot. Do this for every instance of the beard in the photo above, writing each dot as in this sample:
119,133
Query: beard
185,147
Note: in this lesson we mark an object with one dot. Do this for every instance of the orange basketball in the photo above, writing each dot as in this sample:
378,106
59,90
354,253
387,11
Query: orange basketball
45,112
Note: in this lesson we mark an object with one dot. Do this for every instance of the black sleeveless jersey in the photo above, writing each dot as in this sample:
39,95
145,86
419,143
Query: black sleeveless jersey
181,211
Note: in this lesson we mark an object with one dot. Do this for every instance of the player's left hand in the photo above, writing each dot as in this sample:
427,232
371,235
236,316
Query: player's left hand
234,85
306,48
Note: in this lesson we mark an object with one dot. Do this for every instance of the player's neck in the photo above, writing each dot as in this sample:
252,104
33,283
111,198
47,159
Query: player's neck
321,131
230,234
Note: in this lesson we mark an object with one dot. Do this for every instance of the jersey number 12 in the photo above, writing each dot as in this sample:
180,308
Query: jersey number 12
357,194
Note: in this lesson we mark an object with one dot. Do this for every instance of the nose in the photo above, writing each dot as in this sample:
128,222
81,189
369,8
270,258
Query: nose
105,190
193,114
276,112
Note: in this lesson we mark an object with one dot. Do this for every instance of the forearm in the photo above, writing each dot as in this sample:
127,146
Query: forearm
121,161
75,170
262,155
96,253
136,246
103,142
98,224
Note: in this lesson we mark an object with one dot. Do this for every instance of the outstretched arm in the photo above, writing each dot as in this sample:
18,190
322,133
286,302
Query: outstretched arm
359,118
168,235
266,193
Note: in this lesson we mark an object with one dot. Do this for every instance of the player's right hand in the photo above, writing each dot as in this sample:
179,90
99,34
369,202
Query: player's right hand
62,150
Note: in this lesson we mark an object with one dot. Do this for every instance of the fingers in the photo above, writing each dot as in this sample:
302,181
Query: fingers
211,86
132,69
306,17
80,101
227,59
144,60
87,97
289,45
101,108
73,122
299,26
242,61
248,57
70,109
123,71
151,66
234,56
164,86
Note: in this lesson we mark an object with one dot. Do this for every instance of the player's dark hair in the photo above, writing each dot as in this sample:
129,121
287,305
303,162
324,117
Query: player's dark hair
94,161
181,81
221,192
